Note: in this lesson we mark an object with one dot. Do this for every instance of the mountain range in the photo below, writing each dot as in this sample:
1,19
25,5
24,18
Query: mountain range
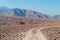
5,11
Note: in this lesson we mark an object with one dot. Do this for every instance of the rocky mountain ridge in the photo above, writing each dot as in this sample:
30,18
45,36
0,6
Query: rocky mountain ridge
24,13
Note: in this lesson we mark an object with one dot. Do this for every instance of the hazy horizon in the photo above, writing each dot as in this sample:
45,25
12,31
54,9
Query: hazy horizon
49,7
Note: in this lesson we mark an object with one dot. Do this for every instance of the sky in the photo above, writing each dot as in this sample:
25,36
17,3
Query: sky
49,7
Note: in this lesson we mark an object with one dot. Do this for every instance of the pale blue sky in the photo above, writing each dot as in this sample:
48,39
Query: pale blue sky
50,7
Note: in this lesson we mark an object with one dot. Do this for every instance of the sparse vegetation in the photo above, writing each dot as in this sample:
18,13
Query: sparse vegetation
22,23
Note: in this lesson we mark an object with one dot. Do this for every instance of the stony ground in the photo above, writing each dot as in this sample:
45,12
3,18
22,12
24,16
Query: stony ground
51,33
29,29
42,33
46,33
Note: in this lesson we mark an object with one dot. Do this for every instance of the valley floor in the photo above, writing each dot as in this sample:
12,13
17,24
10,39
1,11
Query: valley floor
29,29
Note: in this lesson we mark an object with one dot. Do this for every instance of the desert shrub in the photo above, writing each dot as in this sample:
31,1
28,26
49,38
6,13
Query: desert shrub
22,23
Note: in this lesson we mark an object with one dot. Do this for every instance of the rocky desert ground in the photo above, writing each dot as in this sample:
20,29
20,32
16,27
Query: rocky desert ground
19,28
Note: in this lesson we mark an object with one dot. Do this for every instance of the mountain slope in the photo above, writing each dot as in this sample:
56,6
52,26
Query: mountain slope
23,13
